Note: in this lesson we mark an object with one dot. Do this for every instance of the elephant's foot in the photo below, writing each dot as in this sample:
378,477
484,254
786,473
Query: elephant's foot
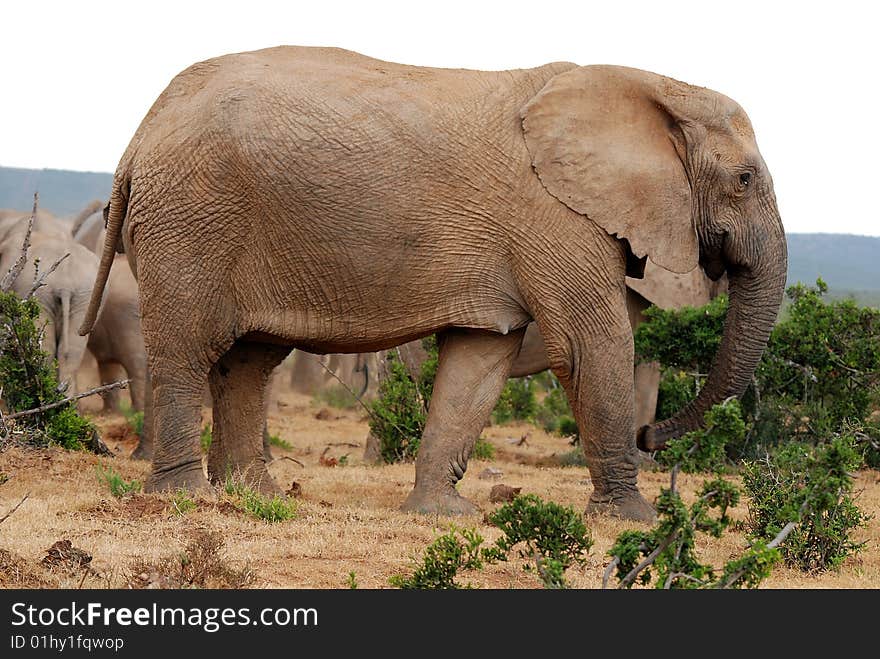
627,505
188,477
433,502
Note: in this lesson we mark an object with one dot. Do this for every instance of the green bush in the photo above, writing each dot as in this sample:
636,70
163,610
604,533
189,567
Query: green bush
552,536
459,549
821,368
704,450
483,450
397,416
28,380
685,339
554,413
676,389
119,487
811,485
516,403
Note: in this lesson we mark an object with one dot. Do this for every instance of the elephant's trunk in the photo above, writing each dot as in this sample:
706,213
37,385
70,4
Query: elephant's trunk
755,296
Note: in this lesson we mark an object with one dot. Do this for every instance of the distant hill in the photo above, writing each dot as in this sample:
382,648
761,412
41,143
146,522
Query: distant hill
846,262
849,264
62,192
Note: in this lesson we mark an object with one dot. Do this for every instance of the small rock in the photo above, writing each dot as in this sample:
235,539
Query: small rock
502,493
490,472
324,414
295,490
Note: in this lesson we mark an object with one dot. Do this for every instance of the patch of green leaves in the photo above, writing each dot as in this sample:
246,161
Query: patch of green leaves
483,450
269,509
119,487
704,450
516,403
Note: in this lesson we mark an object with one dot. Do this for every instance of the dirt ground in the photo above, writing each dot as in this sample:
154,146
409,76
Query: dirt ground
347,517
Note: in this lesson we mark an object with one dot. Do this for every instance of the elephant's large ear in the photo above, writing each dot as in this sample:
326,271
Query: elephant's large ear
602,141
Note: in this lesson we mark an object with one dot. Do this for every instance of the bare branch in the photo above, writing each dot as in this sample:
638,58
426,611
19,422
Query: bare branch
608,570
4,518
18,266
107,387
41,279
287,457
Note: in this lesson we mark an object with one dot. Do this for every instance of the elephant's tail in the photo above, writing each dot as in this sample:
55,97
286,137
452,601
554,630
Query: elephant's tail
118,207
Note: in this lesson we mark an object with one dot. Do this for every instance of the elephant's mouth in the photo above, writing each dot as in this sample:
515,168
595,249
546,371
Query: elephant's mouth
712,260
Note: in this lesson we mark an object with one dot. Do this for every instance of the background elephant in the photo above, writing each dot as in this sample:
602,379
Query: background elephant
116,341
64,298
309,374
660,287
320,199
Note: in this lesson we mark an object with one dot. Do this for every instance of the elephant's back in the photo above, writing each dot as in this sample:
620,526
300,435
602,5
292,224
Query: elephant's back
251,97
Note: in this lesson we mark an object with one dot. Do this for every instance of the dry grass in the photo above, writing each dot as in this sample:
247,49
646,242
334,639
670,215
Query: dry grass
347,518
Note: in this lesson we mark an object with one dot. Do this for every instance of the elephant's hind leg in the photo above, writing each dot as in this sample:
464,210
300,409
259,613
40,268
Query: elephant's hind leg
473,369
177,417
239,386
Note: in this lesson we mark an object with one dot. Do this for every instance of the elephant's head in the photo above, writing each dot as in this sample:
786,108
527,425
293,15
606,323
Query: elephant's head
675,171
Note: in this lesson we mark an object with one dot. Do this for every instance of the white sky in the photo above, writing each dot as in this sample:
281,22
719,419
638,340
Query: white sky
77,77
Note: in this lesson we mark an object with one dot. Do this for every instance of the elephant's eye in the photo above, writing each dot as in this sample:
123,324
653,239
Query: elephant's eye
745,178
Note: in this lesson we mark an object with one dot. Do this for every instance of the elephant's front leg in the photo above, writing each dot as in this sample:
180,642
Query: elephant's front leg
473,367
592,355
239,384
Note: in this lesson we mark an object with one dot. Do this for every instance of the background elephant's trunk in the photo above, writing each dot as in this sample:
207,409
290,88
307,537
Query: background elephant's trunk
755,296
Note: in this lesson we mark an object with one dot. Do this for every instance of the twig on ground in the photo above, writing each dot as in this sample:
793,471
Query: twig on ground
6,516
287,457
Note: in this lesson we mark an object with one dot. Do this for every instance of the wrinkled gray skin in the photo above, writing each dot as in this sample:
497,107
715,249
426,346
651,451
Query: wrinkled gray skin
64,298
321,199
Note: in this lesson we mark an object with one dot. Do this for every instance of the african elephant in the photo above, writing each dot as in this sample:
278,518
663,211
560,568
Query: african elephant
666,289
320,199
64,298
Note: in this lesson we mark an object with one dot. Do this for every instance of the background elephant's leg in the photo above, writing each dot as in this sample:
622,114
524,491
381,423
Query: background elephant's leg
239,383
177,421
144,449
647,384
472,371
110,372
